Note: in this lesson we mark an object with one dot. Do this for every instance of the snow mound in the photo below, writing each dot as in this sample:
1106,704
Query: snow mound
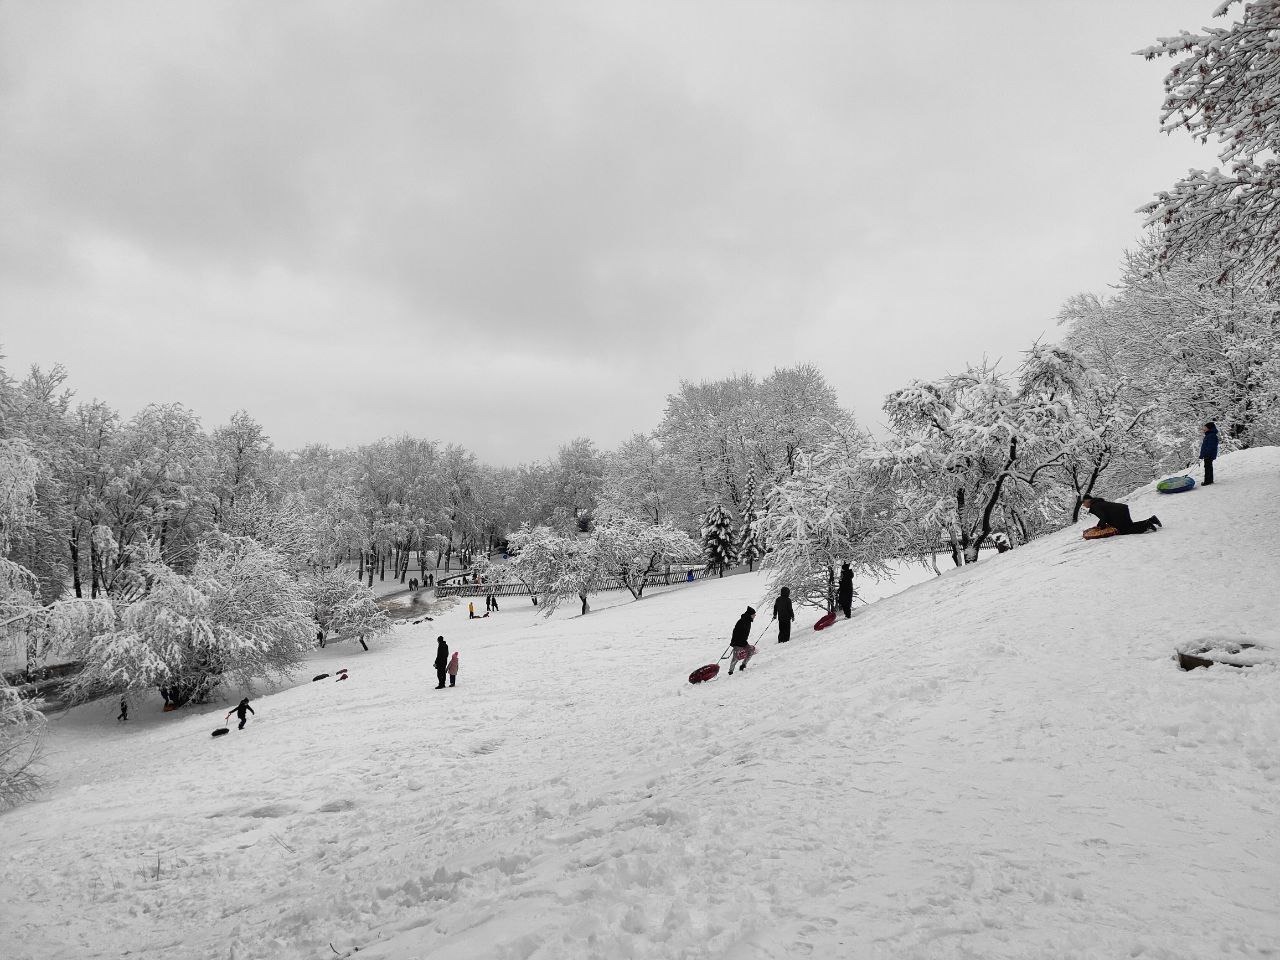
1004,762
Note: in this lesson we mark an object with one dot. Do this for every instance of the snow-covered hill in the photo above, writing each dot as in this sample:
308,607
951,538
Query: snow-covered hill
1001,763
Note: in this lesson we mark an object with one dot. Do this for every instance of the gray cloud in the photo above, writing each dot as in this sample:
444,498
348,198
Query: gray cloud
506,224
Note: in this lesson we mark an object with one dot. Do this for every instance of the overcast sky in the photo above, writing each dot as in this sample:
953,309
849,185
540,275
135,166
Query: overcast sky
509,224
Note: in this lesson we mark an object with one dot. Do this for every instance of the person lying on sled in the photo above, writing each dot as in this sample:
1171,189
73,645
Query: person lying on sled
1112,514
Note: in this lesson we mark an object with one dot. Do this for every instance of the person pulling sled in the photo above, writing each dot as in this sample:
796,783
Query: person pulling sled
240,711
740,642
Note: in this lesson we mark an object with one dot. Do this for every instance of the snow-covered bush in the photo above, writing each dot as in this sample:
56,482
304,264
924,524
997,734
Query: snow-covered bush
20,728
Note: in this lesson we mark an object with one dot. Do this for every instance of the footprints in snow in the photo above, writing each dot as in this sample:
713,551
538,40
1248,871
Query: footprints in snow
274,811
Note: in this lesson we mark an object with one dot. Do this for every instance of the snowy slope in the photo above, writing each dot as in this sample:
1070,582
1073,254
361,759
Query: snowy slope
1001,763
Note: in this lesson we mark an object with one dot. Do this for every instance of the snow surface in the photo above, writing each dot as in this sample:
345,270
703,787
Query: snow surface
1003,762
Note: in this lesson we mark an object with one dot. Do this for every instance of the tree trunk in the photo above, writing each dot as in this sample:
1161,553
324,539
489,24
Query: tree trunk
93,568
363,644
74,544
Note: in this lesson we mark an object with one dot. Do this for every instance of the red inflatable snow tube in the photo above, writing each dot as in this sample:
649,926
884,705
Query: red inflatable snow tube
704,673
825,622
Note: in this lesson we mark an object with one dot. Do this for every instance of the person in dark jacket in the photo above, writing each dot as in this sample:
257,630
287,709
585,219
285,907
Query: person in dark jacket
124,710
784,613
239,711
1112,514
1209,450
740,641
442,661
844,593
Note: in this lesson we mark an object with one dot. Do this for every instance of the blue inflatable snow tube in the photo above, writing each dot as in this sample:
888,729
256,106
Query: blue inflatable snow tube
1175,485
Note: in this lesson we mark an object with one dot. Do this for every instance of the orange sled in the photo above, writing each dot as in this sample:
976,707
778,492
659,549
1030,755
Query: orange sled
1097,533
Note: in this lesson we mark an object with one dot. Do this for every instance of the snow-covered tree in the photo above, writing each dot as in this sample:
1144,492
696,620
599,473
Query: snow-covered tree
719,547
835,508
21,725
344,607
576,477
639,480
633,550
1189,349
750,541
555,567
1225,85
240,454
237,617
713,433
975,453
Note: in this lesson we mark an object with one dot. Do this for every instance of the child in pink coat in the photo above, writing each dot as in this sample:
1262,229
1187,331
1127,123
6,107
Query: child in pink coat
453,669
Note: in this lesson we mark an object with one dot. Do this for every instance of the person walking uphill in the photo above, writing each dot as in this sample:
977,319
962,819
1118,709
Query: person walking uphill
844,594
740,642
784,613
240,710
1209,450
453,669
442,661
1111,514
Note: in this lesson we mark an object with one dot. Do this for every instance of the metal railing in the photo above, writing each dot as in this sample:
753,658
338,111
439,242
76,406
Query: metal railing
522,590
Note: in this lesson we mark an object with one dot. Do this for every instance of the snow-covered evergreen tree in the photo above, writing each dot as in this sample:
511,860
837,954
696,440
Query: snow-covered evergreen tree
718,546
750,544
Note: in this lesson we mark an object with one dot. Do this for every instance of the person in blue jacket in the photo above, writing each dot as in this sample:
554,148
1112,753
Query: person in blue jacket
1209,450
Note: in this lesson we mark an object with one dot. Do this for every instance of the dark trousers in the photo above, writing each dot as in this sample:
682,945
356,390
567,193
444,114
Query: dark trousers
440,676
1140,526
847,607
784,631
243,721
1208,471
453,679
